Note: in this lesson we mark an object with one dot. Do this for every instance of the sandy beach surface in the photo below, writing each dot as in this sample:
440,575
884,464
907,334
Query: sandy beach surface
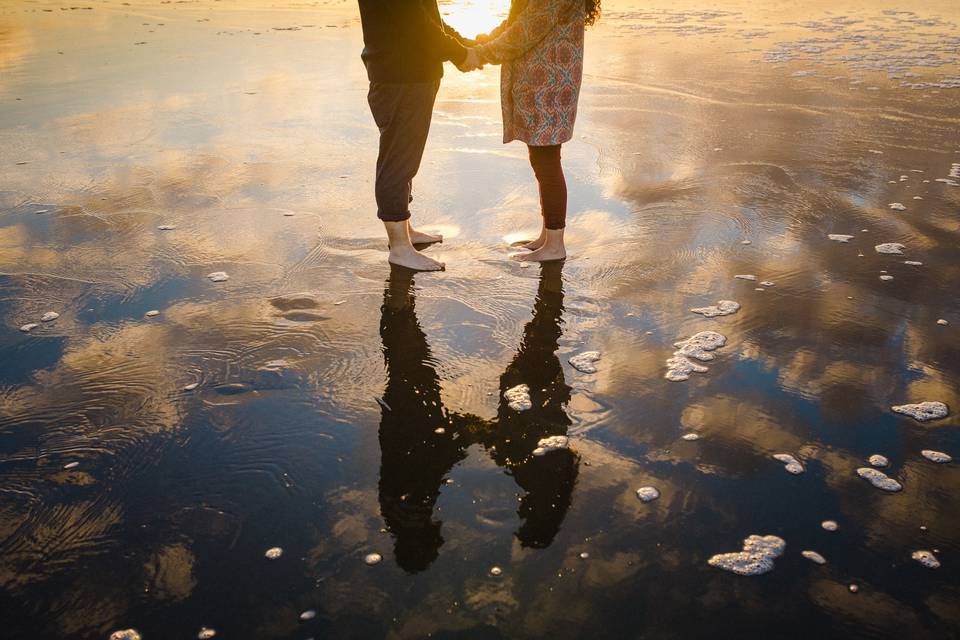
221,363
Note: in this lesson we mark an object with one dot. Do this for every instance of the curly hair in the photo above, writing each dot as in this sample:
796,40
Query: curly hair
593,11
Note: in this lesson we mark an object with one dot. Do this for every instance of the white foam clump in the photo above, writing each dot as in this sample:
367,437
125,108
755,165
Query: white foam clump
553,443
698,346
273,553
926,558
309,614
648,494
166,227
886,277
218,276
30,326
125,634
940,322
152,313
879,479
840,237
936,456
791,464
206,633
722,308
518,398
49,316
878,460
372,558
813,556
897,206
585,362
767,283
913,263
71,465
923,411
690,437
829,525
890,248
757,556
746,276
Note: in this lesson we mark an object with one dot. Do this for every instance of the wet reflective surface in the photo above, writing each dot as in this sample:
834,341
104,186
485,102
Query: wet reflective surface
343,409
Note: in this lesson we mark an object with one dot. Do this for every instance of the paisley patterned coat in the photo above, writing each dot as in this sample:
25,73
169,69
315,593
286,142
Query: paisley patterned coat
541,49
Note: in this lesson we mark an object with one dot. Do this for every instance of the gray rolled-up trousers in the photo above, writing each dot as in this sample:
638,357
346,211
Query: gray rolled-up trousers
402,112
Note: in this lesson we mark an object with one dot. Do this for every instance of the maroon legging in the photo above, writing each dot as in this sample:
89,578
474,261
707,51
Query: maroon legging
553,187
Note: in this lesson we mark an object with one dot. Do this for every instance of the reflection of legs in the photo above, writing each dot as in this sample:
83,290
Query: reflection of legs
549,480
414,459
553,204
402,113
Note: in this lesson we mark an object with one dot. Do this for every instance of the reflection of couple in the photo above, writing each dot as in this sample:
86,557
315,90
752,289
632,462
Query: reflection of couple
540,46
421,441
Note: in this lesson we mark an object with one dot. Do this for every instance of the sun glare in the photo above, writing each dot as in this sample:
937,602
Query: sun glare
471,17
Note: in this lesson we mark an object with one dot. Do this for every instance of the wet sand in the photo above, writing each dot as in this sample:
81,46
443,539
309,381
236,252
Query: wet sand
316,402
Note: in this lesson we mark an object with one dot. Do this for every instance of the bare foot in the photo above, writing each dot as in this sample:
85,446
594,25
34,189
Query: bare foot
543,254
422,237
534,244
415,260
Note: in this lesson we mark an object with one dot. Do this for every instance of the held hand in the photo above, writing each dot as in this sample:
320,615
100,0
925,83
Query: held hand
472,62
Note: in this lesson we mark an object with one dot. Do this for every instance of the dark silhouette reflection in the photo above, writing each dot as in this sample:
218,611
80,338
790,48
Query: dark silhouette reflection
415,458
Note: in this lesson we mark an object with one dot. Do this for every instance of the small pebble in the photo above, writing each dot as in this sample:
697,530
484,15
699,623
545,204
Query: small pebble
886,277
495,571
439,430
584,555
273,553
890,248
690,437
206,633
27,328
897,206
167,227
49,316
309,614
218,276
71,465
829,525
853,588
125,634
152,313
940,322
372,558
191,386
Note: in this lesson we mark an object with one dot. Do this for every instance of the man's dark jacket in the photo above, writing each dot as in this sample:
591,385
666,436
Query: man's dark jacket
407,41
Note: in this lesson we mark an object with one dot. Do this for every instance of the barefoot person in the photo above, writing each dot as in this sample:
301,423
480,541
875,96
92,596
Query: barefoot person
540,46
405,45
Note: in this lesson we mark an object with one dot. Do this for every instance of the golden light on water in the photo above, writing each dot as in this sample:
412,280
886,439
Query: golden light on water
471,17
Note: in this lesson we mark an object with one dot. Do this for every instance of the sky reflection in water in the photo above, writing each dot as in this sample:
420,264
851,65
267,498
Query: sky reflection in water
245,128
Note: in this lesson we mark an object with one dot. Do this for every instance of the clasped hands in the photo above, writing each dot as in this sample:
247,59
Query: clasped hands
472,62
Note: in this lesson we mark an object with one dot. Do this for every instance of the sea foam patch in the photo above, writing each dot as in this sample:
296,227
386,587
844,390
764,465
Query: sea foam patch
697,346
923,411
840,237
890,248
755,559
722,308
585,362
879,479
936,456
790,464
553,443
926,558
518,397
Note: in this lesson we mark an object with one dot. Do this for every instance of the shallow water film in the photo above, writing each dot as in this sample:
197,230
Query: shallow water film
223,415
